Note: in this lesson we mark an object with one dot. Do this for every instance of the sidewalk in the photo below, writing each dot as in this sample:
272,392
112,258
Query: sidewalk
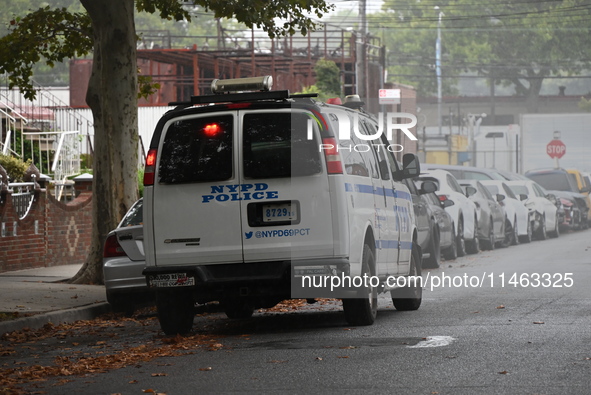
38,297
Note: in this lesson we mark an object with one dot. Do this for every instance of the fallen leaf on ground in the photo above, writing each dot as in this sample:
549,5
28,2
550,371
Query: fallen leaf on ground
501,307
539,322
504,372
207,369
159,374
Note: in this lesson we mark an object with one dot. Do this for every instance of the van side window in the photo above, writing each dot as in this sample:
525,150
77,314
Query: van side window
354,162
197,150
380,151
276,145
368,150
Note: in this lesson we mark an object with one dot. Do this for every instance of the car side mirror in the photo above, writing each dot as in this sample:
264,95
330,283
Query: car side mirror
500,197
410,166
552,198
446,203
585,189
470,191
522,196
428,187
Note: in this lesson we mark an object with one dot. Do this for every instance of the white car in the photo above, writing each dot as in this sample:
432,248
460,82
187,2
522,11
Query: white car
541,205
463,212
518,229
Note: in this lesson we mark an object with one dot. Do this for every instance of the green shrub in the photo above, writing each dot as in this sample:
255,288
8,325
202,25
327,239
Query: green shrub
15,167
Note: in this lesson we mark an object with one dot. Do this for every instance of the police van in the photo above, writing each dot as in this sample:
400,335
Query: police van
248,191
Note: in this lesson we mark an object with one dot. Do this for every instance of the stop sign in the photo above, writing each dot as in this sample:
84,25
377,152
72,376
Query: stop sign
556,149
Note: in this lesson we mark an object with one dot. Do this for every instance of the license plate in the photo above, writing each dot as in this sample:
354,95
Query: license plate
171,280
280,212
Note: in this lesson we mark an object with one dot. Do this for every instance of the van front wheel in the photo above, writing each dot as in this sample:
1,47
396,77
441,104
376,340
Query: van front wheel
363,311
176,312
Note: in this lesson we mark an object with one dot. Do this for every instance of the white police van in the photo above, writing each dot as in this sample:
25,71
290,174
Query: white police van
247,194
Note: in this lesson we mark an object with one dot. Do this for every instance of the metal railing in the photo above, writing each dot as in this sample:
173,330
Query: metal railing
23,194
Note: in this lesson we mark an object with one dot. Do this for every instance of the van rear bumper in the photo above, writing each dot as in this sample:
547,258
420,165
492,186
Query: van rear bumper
222,281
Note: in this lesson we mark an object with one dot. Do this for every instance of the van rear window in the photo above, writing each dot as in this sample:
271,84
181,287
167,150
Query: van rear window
197,150
276,145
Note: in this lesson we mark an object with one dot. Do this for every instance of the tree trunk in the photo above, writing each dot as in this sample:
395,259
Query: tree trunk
532,99
112,97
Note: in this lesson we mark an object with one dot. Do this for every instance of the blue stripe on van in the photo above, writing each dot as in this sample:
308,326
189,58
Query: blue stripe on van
393,244
364,188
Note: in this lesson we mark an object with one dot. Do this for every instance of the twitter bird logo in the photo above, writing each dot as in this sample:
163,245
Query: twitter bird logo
248,235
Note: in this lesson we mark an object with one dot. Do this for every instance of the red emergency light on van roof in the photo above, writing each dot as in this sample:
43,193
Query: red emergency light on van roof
334,100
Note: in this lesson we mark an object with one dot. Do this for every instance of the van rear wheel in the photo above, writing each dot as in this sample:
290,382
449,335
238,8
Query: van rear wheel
363,311
410,297
176,311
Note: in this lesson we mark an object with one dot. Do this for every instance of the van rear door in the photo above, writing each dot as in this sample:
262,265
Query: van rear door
196,193
286,207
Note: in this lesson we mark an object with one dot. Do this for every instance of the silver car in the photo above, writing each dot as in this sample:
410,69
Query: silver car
123,262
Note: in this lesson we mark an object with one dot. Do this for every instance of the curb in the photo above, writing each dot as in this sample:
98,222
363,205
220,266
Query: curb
55,317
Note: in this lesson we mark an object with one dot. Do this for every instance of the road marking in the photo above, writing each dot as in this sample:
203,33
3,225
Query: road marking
434,341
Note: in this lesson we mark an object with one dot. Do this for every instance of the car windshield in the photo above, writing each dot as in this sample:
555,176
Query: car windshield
553,181
519,189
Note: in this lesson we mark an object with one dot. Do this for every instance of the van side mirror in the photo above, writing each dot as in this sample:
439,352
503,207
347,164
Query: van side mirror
410,166
428,187
470,191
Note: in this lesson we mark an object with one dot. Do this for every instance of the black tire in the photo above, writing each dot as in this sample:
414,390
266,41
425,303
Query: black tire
473,246
556,232
119,304
510,235
176,311
515,233
434,250
363,311
238,309
489,243
460,241
541,234
451,252
410,298
527,238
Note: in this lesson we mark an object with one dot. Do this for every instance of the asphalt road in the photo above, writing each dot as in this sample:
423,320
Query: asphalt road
532,337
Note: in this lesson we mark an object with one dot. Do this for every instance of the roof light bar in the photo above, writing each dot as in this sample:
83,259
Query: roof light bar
263,84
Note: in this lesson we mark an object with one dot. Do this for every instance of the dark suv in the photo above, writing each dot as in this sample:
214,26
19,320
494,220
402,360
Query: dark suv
564,185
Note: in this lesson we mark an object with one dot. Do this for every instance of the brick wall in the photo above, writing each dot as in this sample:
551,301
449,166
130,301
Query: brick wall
52,233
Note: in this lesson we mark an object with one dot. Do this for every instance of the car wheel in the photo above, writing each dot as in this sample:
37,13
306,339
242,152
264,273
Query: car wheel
527,238
434,250
489,243
176,311
541,233
120,304
509,234
515,233
473,246
556,232
410,298
237,309
460,241
451,252
363,311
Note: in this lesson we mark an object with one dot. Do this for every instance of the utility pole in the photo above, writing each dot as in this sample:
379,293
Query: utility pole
438,68
362,88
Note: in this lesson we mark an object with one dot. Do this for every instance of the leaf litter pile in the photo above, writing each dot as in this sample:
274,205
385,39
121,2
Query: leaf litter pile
84,348
55,354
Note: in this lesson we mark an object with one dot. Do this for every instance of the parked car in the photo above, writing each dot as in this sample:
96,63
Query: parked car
542,206
489,213
463,212
434,224
563,185
123,263
517,226
466,172
584,186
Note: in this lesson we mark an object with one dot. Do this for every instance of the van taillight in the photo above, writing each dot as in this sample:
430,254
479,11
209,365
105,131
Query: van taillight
150,167
332,155
112,247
